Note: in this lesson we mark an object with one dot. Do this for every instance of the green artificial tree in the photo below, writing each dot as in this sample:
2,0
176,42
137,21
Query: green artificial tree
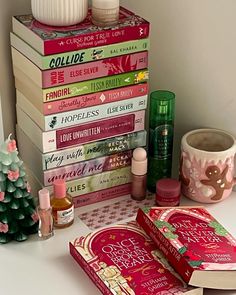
18,217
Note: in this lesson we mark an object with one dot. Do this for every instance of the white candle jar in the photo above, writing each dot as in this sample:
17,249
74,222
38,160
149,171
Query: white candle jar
59,12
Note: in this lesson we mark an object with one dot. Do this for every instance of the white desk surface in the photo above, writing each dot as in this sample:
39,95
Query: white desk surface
36,267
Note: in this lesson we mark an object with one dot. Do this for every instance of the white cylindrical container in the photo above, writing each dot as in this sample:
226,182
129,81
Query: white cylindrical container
59,12
105,12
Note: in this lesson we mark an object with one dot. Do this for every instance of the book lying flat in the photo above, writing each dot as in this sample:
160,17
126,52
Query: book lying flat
123,260
198,247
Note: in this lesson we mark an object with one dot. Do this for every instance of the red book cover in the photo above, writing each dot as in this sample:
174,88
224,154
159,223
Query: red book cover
52,40
123,260
196,245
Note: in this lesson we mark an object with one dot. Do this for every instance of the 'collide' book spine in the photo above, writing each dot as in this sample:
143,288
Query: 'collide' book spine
81,72
78,56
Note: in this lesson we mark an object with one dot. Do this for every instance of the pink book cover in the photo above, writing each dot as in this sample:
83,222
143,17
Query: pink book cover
85,34
93,99
122,259
96,69
192,240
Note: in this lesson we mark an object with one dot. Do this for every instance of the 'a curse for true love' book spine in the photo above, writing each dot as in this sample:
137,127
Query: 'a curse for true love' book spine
81,116
80,134
50,40
81,72
78,56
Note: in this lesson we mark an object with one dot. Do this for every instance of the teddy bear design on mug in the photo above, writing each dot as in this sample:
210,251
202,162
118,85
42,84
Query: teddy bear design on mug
207,165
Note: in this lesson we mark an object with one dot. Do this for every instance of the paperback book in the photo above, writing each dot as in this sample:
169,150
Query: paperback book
79,134
50,40
24,84
80,72
122,259
200,249
80,116
39,162
78,56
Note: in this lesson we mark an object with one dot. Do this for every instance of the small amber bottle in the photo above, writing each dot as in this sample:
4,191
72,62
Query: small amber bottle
62,205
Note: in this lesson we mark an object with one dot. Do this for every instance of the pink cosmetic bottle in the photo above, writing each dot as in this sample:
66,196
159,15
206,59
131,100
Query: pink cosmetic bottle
139,174
45,230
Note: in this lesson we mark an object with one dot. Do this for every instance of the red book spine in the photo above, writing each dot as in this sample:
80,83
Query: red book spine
171,253
96,38
92,274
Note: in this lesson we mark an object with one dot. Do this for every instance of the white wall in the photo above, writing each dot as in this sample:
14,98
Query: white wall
193,53
7,90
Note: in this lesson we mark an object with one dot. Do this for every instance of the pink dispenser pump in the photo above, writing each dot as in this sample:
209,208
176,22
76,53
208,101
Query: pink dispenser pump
59,189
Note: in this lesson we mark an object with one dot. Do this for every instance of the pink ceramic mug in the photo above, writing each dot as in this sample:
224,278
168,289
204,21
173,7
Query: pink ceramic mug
207,165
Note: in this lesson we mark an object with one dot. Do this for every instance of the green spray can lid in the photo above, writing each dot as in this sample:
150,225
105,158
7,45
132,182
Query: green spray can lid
162,106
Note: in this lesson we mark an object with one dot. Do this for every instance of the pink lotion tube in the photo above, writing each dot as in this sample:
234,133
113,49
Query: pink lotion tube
45,230
139,174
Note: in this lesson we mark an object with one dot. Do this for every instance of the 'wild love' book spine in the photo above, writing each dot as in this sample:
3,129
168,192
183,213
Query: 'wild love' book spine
91,86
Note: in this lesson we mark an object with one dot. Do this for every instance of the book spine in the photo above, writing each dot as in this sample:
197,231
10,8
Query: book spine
97,182
80,134
96,38
88,270
94,99
93,150
88,168
90,54
102,195
171,253
95,69
62,120
101,84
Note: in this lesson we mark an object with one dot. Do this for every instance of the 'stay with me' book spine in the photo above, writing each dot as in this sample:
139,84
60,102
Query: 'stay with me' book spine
79,56
80,134
87,168
39,162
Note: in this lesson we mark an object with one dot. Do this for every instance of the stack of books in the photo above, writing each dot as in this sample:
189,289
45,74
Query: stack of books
82,94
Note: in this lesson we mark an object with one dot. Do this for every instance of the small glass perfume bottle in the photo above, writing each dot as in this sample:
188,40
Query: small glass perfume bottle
45,230
139,174
62,205
105,12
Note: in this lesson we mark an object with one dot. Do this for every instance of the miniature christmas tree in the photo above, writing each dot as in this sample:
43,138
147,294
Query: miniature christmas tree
18,217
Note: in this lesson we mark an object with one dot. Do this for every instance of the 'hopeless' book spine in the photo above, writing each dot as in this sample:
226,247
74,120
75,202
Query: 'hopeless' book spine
81,116
80,134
